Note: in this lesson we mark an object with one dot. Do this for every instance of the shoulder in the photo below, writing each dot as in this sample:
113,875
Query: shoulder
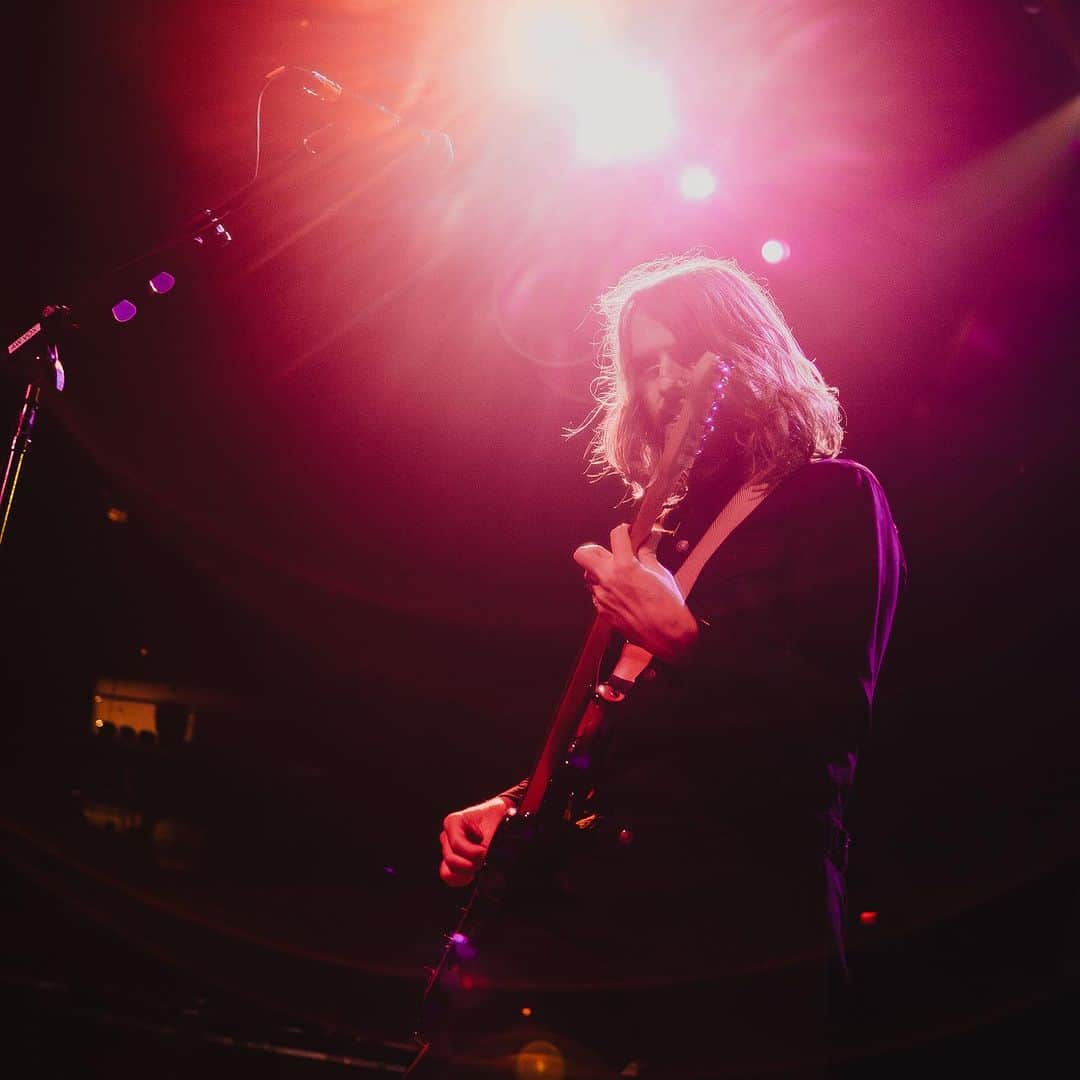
832,486
829,475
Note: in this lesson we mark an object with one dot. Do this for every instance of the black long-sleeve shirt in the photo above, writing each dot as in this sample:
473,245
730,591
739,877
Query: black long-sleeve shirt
727,776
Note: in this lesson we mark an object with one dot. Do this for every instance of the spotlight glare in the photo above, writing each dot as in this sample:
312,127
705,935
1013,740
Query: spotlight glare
775,251
566,53
546,44
696,182
623,111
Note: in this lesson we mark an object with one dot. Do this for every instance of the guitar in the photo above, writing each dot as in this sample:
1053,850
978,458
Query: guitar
524,852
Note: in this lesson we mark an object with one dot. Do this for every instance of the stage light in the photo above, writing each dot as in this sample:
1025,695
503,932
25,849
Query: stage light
696,182
567,54
124,311
775,251
546,44
623,111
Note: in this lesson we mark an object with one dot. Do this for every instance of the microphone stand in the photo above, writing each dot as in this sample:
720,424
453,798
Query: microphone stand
36,353
39,349
20,443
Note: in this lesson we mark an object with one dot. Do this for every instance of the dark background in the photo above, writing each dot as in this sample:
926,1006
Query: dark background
339,443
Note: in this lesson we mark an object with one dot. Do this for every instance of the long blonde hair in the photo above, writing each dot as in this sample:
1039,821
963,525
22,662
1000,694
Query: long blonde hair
782,412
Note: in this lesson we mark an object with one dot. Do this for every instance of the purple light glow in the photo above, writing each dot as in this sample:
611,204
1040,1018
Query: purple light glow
459,939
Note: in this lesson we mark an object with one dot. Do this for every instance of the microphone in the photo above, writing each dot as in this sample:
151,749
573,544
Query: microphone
361,114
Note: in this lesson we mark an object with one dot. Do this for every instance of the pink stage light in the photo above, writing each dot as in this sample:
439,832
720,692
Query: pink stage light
775,251
696,182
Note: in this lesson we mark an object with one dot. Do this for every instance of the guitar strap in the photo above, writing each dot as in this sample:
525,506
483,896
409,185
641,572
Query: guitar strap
633,659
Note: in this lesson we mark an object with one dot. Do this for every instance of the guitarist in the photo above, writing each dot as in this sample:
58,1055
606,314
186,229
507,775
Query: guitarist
705,885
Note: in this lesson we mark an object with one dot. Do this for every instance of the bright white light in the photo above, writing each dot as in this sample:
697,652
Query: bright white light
775,251
623,111
696,182
545,44
566,53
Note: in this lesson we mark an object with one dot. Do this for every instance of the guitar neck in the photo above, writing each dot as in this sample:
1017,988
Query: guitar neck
582,682
575,697
683,442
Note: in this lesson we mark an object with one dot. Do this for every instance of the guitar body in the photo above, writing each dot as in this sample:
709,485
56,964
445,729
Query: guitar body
521,867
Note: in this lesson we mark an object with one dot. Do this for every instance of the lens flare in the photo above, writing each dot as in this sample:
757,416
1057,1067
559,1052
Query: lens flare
775,251
539,1059
696,182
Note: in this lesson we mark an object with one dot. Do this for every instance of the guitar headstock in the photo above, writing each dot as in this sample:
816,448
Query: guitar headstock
705,390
